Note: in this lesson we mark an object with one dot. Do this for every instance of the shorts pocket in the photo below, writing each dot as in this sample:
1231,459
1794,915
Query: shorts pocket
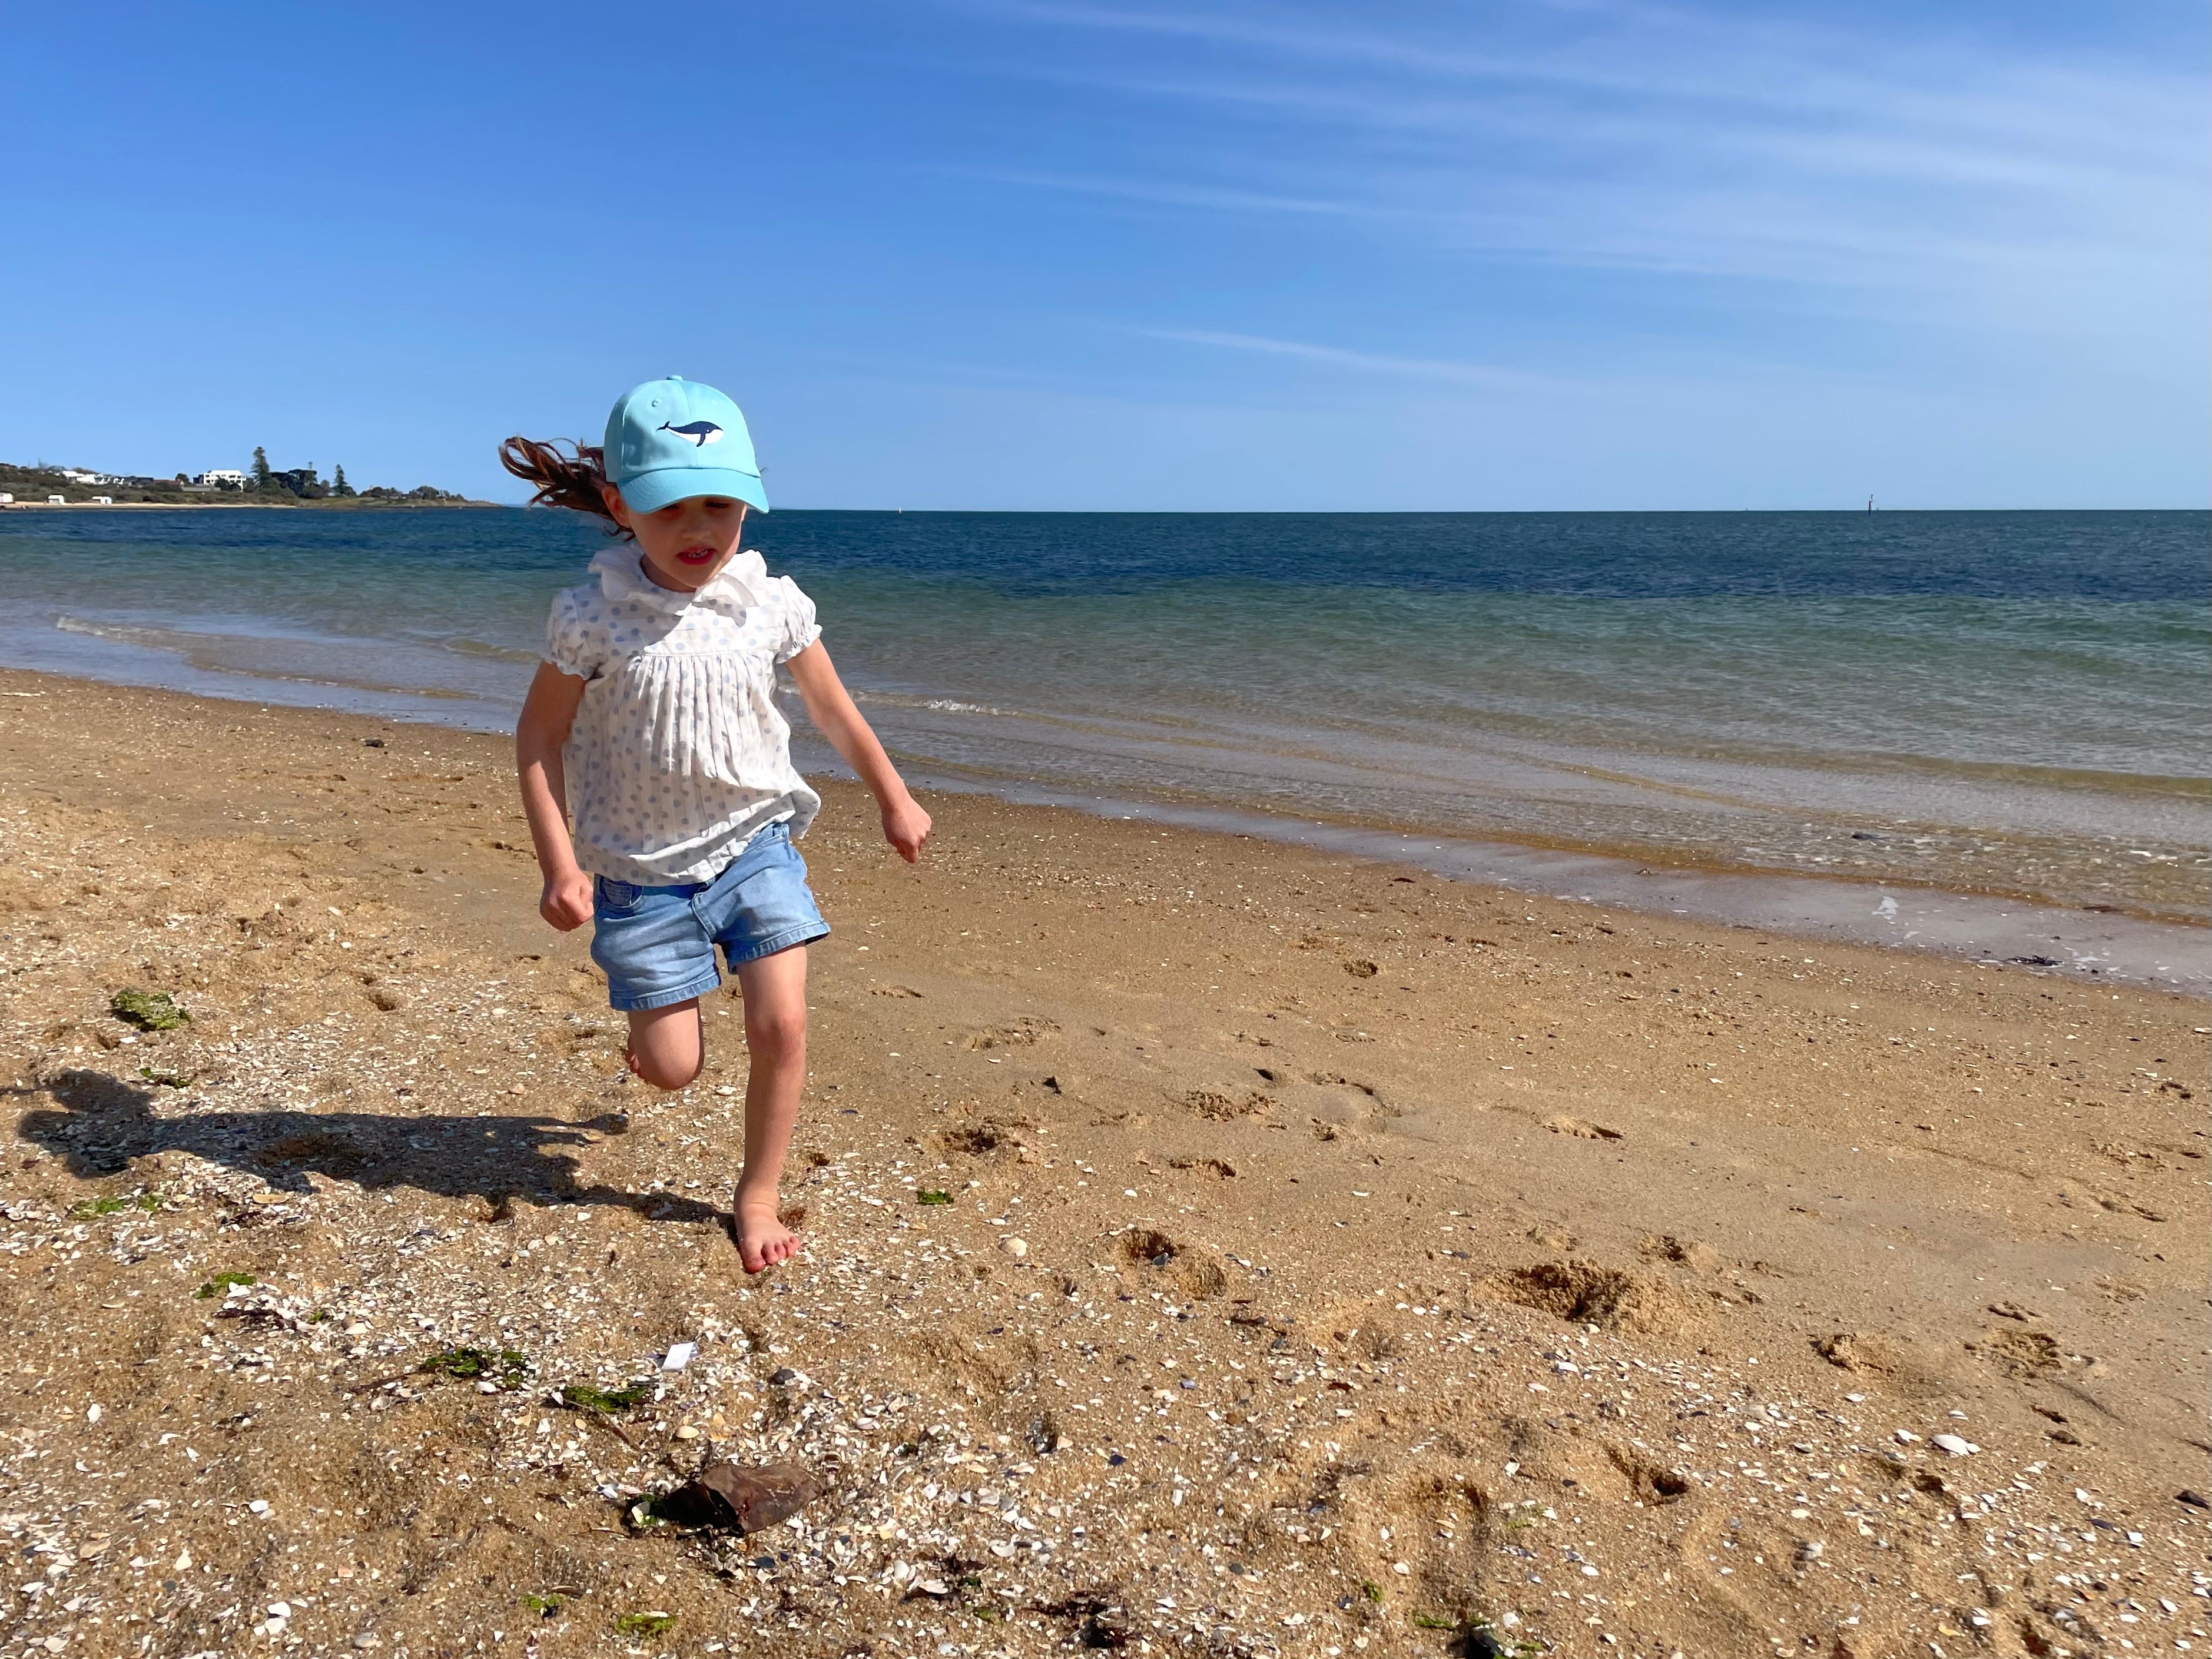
616,898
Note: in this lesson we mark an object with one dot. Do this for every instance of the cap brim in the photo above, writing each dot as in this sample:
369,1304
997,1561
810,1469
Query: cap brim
649,492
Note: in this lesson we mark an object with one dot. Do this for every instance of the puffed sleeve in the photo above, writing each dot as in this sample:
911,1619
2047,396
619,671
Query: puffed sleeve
800,628
569,645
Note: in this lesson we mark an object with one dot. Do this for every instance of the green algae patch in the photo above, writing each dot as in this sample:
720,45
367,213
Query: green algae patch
93,1208
149,1011
507,1368
605,1401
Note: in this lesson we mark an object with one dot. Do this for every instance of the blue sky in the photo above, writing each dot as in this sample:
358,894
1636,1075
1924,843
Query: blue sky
1567,255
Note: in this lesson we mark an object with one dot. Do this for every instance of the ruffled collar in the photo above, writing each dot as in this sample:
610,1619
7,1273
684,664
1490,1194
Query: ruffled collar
738,584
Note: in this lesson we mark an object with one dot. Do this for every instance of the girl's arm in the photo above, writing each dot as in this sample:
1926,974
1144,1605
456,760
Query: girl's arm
547,713
829,706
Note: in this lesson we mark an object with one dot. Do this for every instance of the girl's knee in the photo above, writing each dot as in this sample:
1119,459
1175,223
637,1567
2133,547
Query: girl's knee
778,1035
663,1072
667,1047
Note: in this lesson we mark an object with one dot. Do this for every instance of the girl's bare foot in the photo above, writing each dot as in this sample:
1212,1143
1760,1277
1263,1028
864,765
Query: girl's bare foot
763,1239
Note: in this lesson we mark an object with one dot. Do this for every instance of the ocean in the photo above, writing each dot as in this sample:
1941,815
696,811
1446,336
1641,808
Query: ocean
2007,704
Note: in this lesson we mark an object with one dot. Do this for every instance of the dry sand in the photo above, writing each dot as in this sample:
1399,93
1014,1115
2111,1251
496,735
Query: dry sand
1336,1260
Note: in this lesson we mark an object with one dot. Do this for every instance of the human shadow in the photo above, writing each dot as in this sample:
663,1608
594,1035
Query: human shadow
107,1122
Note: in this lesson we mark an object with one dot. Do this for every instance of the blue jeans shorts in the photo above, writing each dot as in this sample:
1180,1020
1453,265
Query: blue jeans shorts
656,944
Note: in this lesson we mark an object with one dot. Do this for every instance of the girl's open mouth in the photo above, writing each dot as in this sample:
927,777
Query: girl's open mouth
696,556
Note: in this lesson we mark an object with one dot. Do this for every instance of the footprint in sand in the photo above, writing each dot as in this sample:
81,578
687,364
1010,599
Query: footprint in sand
1581,1128
1147,1249
1585,1293
1908,1367
1683,1252
1346,1101
1220,1168
1021,1033
1216,1106
982,1140
1337,1079
2025,1356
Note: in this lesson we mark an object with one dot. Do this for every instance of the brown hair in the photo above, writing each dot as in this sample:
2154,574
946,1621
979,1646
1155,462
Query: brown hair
562,480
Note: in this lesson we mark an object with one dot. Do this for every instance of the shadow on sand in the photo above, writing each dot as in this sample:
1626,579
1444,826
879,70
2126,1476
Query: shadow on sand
107,1122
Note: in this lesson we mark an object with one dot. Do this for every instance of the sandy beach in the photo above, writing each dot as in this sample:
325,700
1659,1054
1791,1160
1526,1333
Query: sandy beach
1214,1247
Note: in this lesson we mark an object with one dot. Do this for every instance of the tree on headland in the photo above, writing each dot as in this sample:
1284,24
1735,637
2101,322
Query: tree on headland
299,483
260,467
338,484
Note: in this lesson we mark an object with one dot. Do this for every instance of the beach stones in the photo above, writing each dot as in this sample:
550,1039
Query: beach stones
743,1500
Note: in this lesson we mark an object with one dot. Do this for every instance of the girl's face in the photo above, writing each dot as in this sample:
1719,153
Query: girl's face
686,543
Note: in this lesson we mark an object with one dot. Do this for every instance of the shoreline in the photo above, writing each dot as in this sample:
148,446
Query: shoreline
1981,927
1212,1243
342,505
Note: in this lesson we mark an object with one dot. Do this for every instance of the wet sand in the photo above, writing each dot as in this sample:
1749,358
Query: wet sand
1333,1258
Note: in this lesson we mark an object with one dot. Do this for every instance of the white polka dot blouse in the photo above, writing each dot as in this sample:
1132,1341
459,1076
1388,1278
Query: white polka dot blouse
679,754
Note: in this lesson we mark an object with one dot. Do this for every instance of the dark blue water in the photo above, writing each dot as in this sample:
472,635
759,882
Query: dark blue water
1999,701
2108,556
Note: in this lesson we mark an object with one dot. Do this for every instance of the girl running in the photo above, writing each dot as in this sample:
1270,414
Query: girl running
653,724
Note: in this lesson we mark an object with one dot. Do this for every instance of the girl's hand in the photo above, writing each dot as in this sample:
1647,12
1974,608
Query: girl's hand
567,901
906,826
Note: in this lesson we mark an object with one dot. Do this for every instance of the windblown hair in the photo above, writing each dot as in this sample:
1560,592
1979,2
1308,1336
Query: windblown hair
572,482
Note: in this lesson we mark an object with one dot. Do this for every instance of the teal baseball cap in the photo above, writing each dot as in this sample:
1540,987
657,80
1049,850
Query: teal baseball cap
668,441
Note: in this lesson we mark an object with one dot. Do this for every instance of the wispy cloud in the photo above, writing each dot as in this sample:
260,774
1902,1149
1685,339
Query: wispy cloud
1994,184
1484,376
1167,195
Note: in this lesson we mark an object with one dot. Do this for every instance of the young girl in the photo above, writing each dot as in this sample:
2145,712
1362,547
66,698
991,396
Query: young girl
653,721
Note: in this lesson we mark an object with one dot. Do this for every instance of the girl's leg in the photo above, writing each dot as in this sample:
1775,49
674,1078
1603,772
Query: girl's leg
667,1046
774,988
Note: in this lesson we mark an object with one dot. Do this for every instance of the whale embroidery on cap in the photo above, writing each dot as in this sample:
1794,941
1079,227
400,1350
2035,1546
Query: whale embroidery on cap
701,433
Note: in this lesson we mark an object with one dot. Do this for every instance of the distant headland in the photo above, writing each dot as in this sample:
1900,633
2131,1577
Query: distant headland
257,485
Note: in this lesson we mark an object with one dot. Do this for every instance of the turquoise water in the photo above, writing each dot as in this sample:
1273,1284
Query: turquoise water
2008,703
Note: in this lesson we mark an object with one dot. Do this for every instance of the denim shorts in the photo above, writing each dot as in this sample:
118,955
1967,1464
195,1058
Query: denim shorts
656,944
